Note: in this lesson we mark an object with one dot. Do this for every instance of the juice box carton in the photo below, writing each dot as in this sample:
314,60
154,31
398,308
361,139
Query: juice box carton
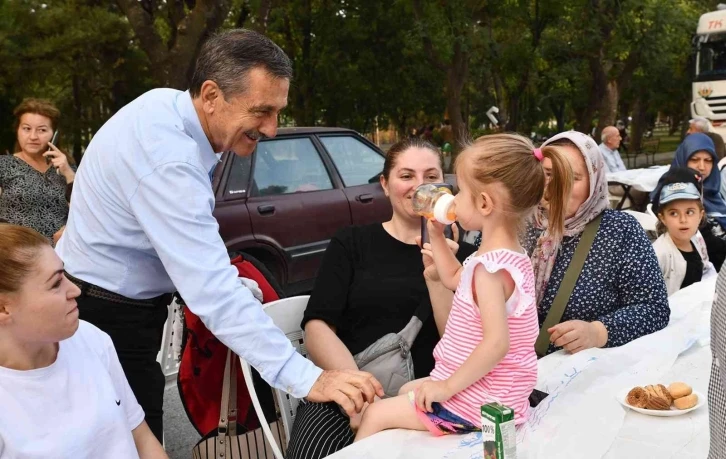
498,433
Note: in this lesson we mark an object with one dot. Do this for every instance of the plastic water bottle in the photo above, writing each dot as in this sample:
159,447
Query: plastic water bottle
435,201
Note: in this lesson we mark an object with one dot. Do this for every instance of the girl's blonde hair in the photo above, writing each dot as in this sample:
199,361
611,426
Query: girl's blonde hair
509,160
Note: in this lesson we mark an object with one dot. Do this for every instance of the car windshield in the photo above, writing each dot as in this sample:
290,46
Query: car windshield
712,58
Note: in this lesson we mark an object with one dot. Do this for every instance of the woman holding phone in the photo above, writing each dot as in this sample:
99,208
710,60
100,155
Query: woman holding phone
33,180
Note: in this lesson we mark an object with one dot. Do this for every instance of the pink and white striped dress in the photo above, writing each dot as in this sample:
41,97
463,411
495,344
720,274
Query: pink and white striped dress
512,380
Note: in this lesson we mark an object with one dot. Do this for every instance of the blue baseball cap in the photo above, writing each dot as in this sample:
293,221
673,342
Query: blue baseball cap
679,190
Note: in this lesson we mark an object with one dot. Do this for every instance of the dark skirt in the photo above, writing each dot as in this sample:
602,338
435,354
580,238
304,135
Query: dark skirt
319,430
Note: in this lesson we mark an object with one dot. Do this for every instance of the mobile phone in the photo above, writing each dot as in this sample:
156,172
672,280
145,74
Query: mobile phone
448,232
52,140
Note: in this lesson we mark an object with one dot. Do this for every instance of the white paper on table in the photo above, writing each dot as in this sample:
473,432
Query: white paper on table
581,418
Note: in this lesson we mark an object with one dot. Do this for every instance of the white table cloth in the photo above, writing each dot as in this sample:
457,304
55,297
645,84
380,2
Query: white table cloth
581,418
639,179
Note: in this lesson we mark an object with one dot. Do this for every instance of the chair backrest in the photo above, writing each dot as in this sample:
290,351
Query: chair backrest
647,221
286,314
649,210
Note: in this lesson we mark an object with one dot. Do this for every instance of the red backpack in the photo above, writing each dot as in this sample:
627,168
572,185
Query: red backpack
203,359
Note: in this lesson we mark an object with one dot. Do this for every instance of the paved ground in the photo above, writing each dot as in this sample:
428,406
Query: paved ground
179,434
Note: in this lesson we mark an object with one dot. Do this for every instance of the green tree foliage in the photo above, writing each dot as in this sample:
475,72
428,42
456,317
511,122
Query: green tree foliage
80,54
548,65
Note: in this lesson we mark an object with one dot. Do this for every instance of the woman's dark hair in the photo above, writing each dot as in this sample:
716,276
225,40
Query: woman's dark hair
402,145
38,107
227,57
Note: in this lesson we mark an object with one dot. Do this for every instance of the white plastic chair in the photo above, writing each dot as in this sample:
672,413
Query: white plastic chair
287,315
168,356
647,220
649,210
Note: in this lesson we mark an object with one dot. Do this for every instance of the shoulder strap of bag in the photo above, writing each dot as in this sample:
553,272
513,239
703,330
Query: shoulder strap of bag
567,285
229,380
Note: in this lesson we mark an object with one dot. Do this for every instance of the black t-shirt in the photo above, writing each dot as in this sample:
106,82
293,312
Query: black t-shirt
715,239
694,267
370,284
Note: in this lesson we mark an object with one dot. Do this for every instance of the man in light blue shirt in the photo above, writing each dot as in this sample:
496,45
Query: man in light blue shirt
141,224
609,148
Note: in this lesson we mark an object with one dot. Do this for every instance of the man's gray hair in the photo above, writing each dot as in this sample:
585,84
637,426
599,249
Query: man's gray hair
701,124
227,57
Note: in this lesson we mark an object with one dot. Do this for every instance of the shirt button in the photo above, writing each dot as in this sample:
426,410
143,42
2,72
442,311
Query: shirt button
288,389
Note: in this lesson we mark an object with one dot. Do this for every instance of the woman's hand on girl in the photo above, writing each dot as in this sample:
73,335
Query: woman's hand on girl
577,335
432,391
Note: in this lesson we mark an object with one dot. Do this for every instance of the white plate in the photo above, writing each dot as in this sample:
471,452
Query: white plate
623,395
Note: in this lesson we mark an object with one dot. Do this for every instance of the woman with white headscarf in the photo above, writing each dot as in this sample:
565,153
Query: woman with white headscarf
619,294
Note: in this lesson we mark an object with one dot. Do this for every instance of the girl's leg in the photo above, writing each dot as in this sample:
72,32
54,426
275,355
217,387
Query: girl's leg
412,385
391,413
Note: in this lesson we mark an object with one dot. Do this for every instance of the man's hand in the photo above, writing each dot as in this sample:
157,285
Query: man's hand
577,335
348,388
432,391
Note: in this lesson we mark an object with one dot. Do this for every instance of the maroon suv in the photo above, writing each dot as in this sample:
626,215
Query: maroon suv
283,203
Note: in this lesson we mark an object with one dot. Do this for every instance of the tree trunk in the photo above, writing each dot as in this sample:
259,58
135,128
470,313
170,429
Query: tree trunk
558,110
585,114
171,62
513,112
503,115
640,121
608,109
455,79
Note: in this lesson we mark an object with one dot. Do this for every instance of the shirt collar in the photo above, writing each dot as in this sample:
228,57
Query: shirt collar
606,148
194,127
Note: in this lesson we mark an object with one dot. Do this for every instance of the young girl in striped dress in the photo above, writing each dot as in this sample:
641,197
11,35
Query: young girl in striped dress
486,353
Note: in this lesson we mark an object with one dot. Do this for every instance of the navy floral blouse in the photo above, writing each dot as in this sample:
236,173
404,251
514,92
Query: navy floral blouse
620,285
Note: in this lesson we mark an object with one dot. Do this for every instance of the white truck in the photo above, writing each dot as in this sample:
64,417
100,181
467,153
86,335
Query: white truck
709,83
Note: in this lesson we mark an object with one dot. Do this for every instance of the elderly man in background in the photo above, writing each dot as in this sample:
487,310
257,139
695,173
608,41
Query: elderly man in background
701,124
609,148
611,139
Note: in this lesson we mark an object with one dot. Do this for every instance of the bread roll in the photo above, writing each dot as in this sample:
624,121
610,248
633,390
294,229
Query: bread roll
683,403
679,389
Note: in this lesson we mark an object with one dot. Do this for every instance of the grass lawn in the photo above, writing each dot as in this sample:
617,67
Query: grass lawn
668,143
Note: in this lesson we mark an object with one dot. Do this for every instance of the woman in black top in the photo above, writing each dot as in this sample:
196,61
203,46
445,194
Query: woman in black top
370,283
33,181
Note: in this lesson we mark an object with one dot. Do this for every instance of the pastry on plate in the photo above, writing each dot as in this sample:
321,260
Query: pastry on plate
658,397
637,397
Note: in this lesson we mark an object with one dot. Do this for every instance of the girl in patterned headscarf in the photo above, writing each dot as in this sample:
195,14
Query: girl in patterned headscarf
620,294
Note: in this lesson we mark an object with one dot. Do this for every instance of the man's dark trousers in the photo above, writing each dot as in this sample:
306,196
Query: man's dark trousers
136,332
